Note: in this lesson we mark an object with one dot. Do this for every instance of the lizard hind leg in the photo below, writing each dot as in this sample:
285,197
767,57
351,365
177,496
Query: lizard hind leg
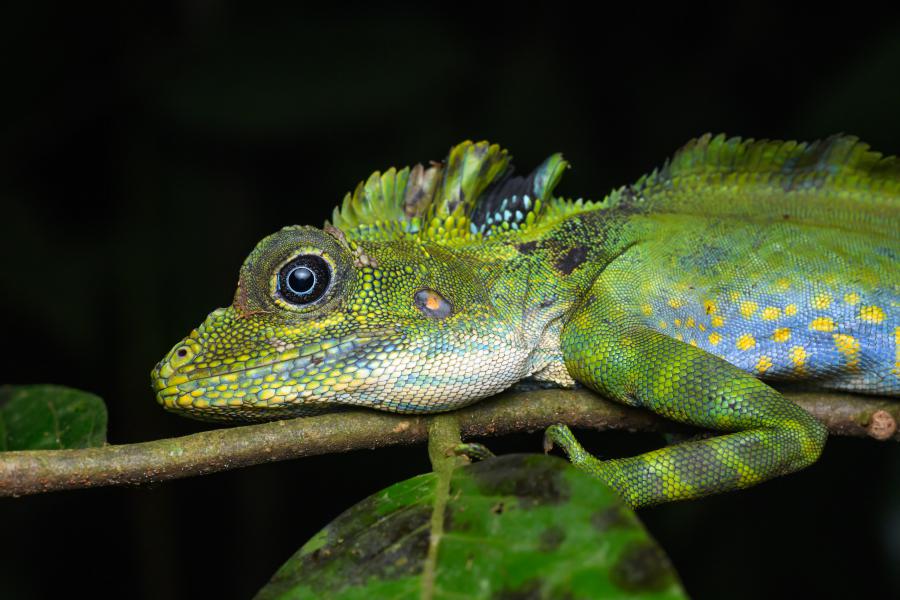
560,435
473,451
766,434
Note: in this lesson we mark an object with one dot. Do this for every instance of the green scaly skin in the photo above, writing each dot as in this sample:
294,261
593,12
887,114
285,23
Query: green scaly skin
738,262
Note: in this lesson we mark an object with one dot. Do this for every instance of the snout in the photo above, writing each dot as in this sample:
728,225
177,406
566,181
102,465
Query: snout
169,373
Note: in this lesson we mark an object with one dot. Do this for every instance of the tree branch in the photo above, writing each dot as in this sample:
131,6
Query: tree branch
31,472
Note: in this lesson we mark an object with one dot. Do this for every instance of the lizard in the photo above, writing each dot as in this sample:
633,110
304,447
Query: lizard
736,264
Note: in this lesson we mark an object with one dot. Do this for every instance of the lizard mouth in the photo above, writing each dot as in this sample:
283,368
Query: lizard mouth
291,381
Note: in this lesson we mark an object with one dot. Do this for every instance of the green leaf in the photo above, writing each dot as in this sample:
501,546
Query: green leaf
50,417
517,526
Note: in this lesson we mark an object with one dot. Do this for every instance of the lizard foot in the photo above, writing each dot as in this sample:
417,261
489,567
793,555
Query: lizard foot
473,451
563,437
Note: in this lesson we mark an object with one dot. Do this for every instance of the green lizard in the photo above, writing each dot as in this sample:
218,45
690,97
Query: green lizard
738,261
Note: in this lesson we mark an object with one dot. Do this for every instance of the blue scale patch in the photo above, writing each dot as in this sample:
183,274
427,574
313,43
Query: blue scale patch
509,212
841,338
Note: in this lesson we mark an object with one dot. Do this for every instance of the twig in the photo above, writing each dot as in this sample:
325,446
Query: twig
31,472
443,436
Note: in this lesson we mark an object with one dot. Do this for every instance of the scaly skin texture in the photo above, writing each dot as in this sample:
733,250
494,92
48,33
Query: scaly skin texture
738,262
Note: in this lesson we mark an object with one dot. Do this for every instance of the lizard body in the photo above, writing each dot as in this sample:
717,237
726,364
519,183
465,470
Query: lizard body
737,262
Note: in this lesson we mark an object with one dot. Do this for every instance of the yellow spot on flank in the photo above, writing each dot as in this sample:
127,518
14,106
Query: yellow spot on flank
763,364
745,342
677,322
852,298
770,313
689,322
717,321
896,369
849,347
783,284
821,301
675,302
822,324
734,296
798,357
782,334
790,310
679,337
714,338
748,307
710,307
646,309
662,324
701,327
871,314
693,343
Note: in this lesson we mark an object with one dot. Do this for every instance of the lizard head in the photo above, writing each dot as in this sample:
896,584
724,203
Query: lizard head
318,323
386,307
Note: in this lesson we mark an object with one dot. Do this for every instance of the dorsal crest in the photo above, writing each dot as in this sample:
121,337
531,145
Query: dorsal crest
472,194
835,182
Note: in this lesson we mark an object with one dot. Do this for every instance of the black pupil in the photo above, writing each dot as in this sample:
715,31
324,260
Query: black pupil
301,280
304,280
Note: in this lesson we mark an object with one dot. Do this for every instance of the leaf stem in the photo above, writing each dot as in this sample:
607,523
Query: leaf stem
443,437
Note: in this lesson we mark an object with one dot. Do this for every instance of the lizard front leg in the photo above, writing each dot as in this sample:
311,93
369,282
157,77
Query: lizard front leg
630,363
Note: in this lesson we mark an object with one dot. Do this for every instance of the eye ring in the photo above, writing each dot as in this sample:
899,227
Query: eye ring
304,279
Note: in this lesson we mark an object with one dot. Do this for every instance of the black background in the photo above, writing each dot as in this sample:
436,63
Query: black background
144,152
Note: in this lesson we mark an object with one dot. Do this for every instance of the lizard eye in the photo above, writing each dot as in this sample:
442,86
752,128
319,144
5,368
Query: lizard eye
304,279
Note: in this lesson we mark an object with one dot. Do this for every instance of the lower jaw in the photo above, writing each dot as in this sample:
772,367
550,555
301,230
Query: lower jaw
250,413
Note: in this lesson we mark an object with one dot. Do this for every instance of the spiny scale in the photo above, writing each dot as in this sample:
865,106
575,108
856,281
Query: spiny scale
472,195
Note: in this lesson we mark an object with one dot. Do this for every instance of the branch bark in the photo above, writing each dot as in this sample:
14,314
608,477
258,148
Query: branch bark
31,472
